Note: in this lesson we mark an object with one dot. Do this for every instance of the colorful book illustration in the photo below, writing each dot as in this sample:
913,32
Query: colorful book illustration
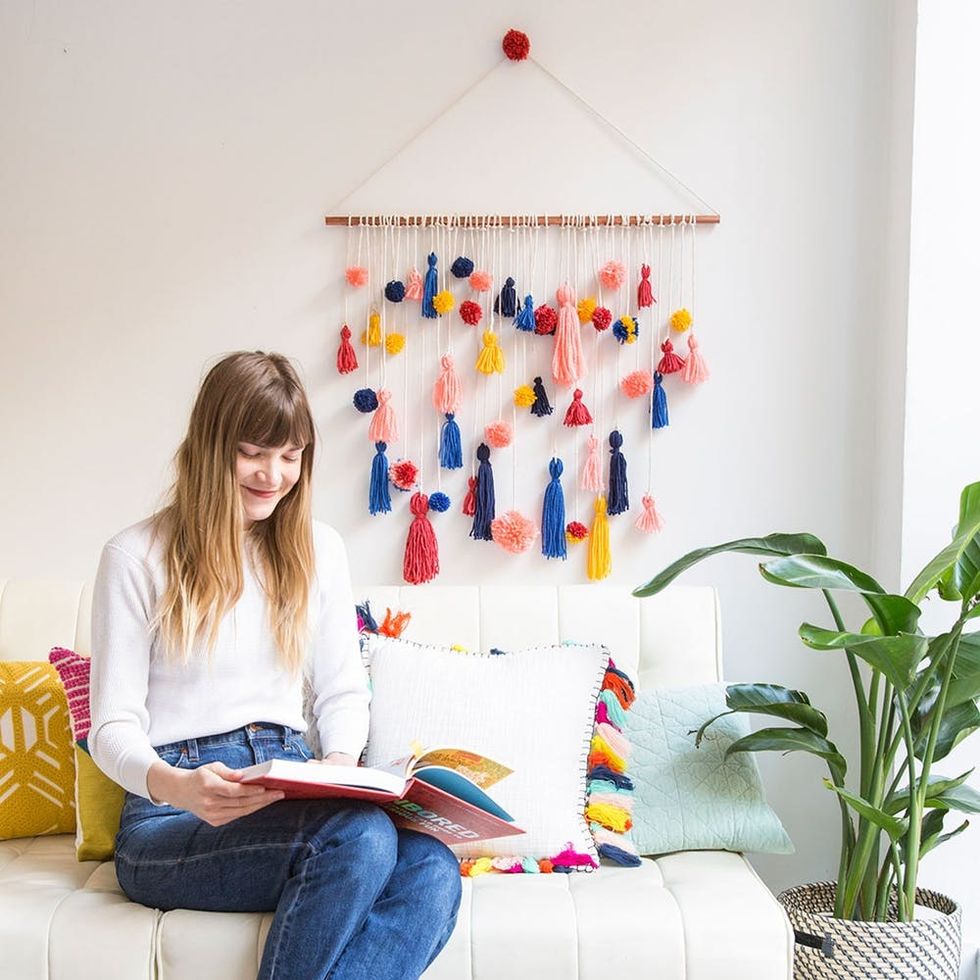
440,791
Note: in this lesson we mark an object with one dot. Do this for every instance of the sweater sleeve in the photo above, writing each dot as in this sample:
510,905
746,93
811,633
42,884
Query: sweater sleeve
121,609
339,679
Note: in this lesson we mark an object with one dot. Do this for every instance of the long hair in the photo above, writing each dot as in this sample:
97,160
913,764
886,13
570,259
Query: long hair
253,397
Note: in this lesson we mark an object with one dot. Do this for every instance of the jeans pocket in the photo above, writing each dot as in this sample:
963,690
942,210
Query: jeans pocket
174,757
299,745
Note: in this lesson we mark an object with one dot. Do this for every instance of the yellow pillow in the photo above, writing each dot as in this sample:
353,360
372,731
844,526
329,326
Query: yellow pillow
37,766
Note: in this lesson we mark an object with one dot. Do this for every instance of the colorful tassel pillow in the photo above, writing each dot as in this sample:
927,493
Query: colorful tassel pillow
532,710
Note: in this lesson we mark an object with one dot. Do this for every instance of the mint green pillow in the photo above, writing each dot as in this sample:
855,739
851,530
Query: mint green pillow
690,798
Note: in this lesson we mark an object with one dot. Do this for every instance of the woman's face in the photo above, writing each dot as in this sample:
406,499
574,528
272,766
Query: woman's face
265,476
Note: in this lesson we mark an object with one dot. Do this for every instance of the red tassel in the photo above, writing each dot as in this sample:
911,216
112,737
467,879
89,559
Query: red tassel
644,294
577,413
469,501
421,548
346,357
671,361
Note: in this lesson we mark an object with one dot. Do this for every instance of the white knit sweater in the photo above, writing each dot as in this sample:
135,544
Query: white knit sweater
139,701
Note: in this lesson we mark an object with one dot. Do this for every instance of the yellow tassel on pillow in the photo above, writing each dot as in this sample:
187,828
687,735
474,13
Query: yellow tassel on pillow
600,558
491,358
609,816
481,866
616,761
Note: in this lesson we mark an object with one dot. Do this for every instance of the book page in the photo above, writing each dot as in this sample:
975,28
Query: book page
477,768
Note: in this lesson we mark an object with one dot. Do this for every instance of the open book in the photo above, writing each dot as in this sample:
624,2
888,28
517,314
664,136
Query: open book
440,791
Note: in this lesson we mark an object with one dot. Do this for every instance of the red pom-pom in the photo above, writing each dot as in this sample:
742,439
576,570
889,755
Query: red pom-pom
545,319
576,531
601,318
470,312
516,45
403,474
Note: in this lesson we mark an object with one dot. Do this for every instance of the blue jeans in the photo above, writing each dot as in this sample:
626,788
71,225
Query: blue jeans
354,897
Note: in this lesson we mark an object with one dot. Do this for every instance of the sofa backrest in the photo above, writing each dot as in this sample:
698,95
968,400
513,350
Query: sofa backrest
670,639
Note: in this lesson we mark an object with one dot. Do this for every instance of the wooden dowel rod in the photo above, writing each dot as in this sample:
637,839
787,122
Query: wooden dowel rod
520,220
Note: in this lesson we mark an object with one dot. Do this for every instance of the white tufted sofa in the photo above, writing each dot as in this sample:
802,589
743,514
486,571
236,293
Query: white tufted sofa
702,915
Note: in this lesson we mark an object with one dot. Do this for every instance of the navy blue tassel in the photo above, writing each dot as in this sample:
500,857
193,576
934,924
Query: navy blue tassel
619,495
613,853
370,623
659,416
379,498
506,302
541,406
484,496
450,446
429,288
610,775
525,319
553,542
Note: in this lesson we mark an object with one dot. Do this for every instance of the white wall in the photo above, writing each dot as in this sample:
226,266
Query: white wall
164,169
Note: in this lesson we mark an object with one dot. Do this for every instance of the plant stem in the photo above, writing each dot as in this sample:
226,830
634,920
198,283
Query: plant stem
914,833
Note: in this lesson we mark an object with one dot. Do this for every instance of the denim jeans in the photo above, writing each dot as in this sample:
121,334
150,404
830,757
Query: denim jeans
354,897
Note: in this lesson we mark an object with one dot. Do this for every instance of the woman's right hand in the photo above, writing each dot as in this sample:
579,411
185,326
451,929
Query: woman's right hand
212,792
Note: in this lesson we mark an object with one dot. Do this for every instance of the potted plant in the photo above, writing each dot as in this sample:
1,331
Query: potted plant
916,698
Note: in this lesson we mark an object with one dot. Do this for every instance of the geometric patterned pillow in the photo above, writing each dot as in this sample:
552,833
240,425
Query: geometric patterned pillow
37,769
98,799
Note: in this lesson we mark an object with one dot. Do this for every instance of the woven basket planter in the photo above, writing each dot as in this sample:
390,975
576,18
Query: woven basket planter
925,949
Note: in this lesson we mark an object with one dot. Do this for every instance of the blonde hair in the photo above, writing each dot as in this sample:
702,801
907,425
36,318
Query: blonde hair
253,397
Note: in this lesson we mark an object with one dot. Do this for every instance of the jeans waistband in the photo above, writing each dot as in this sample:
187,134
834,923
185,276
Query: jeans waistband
256,731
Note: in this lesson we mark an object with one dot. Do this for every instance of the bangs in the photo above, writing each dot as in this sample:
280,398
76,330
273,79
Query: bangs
277,417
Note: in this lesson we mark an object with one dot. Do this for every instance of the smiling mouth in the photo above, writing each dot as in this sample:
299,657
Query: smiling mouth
265,494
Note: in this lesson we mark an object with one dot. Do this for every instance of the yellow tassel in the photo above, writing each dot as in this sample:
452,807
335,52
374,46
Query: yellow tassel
458,648
372,336
481,866
681,319
586,307
443,302
395,343
524,396
491,358
609,816
599,744
600,559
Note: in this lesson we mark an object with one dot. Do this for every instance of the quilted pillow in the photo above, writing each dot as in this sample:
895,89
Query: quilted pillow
532,710
689,798
37,771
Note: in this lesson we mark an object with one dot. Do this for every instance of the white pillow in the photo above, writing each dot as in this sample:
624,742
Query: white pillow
532,710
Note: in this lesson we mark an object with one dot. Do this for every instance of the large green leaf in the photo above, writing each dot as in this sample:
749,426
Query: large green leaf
932,835
792,740
771,700
771,544
963,798
897,657
899,800
957,722
956,566
893,826
965,685
818,572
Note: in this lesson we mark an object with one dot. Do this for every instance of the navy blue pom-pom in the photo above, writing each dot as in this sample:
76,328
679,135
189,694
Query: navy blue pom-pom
438,502
365,400
461,268
395,291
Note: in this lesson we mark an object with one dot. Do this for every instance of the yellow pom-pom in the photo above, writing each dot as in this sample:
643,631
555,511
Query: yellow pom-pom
524,396
681,319
630,325
491,358
586,307
443,302
395,343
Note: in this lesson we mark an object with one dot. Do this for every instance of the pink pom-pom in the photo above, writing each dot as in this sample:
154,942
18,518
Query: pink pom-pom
357,275
613,274
403,474
601,318
636,384
480,280
513,531
516,45
470,312
499,434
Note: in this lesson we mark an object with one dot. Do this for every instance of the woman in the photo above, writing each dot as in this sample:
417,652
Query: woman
206,619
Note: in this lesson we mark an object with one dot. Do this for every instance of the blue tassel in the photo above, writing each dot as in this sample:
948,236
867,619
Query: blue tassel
506,302
659,416
370,624
484,496
604,772
450,445
525,319
541,406
619,496
553,542
379,499
429,288
618,855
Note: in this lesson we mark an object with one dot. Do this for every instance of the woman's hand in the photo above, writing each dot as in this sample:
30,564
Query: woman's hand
212,792
336,759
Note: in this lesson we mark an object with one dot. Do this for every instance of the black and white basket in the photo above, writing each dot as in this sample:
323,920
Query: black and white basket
843,949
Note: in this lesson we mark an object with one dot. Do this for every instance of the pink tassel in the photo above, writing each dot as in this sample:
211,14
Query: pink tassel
346,356
384,425
695,370
570,859
446,392
649,519
568,362
644,294
671,361
421,549
602,714
469,501
577,413
592,471
413,288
